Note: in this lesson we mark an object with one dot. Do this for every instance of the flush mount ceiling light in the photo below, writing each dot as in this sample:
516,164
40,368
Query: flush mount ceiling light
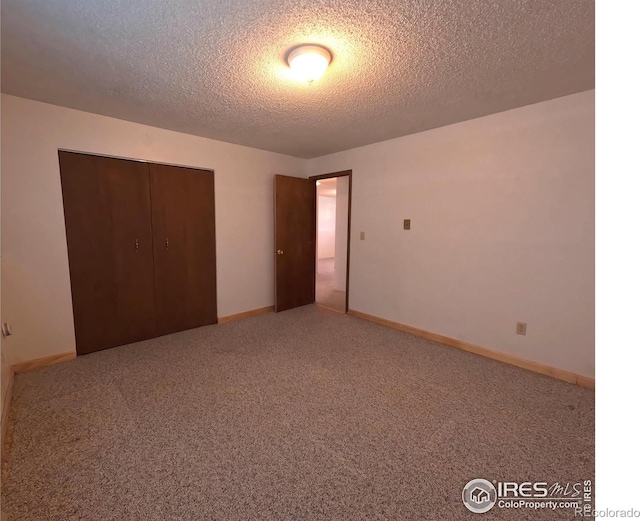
308,62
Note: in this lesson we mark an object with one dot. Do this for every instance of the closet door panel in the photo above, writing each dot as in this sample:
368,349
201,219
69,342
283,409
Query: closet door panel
183,219
107,213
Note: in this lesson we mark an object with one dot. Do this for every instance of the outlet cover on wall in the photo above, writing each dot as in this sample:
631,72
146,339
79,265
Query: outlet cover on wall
362,236
521,328
407,224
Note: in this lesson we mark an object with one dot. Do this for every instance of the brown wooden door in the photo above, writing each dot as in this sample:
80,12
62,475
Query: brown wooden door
108,221
295,208
183,218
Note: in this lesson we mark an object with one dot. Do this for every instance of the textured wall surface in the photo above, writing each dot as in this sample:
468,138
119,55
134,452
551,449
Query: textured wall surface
36,291
217,69
502,213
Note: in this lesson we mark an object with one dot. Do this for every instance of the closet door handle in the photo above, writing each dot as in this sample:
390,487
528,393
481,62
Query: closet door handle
166,242
137,245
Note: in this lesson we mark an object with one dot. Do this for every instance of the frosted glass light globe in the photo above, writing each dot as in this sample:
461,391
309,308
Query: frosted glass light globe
308,62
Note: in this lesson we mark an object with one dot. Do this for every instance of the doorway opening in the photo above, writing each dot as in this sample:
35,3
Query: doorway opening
333,223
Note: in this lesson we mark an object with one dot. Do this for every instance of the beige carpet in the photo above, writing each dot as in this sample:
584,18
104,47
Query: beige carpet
326,293
305,414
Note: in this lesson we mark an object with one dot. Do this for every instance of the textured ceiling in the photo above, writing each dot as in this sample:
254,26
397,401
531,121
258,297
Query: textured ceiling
216,68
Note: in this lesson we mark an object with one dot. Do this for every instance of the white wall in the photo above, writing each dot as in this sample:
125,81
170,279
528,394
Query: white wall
342,228
502,211
326,227
502,230
36,291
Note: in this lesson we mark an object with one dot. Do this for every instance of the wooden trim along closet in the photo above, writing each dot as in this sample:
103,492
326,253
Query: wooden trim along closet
141,243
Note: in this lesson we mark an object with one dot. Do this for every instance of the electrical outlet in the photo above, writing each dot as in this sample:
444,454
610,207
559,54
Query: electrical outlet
362,236
407,224
521,328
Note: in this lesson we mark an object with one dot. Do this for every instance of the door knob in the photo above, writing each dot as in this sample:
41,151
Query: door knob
280,252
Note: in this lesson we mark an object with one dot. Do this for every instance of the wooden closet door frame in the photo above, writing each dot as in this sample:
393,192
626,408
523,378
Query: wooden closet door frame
137,160
147,162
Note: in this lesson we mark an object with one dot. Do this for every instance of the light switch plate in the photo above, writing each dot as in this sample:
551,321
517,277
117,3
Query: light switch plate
407,224
362,236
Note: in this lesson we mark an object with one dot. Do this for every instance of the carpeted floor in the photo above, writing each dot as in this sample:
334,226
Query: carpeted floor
326,293
298,415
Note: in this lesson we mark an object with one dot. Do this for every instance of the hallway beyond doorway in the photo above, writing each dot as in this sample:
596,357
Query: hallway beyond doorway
333,225
326,293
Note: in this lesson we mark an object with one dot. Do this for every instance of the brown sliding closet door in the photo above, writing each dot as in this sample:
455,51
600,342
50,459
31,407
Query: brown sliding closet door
184,247
108,222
